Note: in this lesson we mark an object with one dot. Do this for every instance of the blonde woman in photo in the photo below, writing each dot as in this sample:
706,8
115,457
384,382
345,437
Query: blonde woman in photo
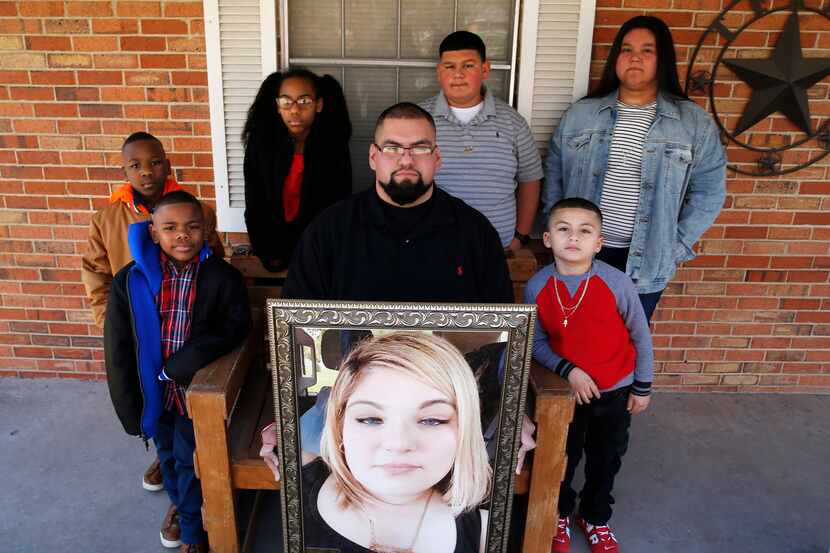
403,466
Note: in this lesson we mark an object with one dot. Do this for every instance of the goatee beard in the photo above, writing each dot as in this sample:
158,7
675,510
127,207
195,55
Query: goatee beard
405,192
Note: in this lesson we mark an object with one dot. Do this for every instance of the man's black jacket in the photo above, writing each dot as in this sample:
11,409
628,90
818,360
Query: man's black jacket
352,252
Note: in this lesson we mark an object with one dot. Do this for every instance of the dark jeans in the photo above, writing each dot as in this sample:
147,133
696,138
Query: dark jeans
175,444
617,258
600,428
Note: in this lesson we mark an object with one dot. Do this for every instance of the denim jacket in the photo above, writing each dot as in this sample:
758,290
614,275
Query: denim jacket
682,186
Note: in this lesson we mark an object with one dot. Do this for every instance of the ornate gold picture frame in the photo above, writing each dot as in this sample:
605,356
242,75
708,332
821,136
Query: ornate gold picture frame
304,337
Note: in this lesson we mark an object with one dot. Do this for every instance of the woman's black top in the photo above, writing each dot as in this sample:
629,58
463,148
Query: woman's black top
327,178
319,534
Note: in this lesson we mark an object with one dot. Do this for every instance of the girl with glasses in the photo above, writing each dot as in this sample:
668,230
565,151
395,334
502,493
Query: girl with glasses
296,159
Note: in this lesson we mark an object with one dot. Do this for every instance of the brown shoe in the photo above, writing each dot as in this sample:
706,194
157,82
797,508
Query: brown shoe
194,548
170,533
153,480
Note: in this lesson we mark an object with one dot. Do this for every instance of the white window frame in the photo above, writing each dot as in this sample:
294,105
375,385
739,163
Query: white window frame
527,54
231,219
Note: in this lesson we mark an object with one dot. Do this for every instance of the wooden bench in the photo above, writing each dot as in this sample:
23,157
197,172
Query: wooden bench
231,399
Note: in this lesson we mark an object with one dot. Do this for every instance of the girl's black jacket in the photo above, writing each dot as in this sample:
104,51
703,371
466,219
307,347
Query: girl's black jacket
327,179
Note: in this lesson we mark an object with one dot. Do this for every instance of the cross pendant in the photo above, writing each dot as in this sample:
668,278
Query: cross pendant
565,323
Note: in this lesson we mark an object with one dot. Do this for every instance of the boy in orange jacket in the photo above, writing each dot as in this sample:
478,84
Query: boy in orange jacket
149,178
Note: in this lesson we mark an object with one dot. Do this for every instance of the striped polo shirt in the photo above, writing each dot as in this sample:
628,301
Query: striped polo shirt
485,159
621,187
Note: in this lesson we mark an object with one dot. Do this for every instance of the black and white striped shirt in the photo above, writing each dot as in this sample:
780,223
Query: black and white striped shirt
621,188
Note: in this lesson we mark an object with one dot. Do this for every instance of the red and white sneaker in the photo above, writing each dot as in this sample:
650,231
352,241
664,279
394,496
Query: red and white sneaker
562,540
600,538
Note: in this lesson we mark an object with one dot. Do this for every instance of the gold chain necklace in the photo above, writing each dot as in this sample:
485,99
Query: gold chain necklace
379,548
569,311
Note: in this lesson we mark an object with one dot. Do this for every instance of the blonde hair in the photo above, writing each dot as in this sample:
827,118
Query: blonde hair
436,363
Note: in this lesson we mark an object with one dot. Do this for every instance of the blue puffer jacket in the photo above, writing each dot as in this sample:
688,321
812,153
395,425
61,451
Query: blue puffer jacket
132,332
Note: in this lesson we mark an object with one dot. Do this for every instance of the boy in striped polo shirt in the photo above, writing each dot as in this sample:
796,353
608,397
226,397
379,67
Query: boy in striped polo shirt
489,157
591,329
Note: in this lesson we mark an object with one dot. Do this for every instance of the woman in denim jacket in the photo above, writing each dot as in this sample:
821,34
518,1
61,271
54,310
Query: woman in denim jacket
649,156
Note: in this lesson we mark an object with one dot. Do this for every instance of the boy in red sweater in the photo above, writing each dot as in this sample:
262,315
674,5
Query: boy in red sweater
591,329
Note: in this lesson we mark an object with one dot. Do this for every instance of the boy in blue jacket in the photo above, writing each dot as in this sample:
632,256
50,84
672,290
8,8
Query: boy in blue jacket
171,311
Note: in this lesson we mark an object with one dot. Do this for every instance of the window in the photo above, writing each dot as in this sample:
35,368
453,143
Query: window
383,52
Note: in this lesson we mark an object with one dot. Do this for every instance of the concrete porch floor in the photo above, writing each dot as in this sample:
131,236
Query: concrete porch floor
715,473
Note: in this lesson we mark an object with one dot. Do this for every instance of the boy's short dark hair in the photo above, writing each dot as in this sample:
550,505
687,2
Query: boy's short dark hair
139,136
404,110
575,203
463,40
178,197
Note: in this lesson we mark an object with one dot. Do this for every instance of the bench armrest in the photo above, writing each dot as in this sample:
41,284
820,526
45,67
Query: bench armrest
221,381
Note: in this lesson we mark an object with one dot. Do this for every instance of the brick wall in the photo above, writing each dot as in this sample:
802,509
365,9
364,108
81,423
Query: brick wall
75,79
750,314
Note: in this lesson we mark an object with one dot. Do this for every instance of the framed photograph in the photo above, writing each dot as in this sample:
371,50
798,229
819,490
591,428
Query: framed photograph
398,425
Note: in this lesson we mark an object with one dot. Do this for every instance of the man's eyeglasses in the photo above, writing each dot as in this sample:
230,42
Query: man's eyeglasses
395,151
286,102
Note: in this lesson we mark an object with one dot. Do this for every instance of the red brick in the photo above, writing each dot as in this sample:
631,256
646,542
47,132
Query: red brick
89,9
77,94
72,353
77,126
115,61
146,78
748,261
183,9
818,188
21,173
168,94
745,232
38,157
123,94
807,276
95,44
115,26
101,110
105,173
66,26
163,27
163,61
56,110
41,9
60,275
187,45
194,78
13,110
145,111
40,340
808,218
47,126
17,77
82,158
22,351
138,9
64,173
59,43
53,77
142,44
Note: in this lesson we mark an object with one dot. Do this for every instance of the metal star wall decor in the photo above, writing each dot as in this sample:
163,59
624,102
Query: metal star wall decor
780,82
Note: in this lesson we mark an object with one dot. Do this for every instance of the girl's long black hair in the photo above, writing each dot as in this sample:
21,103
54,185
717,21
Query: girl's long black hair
667,79
264,128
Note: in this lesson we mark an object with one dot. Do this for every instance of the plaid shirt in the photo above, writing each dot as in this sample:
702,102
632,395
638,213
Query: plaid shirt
175,304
